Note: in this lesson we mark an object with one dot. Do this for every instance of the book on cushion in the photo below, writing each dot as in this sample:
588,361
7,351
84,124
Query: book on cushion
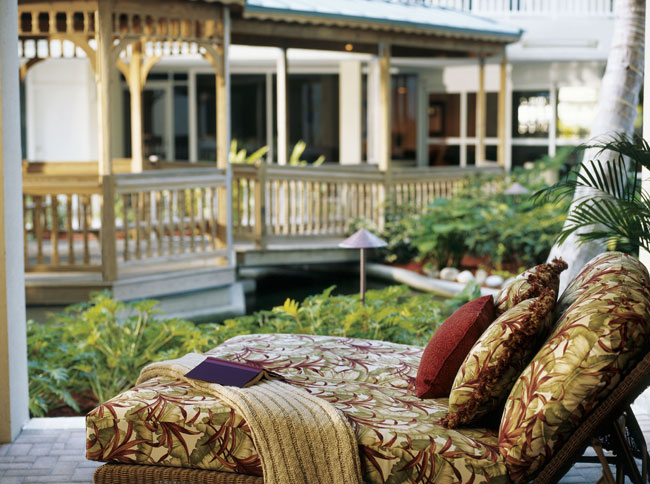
229,373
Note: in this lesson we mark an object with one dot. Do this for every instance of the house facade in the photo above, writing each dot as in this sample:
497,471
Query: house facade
552,84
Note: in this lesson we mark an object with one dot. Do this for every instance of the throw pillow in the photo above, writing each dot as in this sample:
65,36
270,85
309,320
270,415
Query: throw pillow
598,339
529,284
449,346
494,363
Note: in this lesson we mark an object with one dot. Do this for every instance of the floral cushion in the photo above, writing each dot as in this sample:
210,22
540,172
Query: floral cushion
163,422
529,284
496,360
596,273
599,337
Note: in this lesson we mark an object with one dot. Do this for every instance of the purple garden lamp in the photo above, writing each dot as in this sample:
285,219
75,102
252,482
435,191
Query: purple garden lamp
362,239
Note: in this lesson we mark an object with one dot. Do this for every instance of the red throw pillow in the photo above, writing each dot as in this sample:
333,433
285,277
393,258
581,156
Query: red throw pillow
449,346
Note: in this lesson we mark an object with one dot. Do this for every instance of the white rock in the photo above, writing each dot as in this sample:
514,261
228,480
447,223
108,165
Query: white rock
449,274
508,281
494,281
464,277
481,276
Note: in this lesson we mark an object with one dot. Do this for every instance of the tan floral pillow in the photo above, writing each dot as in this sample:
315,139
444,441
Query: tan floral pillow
529,284
496,360
598,339
597,272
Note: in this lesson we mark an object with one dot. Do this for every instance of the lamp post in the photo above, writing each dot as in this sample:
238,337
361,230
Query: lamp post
362,239
516,189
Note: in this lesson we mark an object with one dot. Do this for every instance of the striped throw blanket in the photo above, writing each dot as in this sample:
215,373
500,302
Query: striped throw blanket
300,438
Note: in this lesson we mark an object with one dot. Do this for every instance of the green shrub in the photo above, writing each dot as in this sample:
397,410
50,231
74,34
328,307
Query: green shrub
97,349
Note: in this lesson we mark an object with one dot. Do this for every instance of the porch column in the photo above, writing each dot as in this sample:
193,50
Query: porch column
104,39
480,114
283,108
372,98
135,89
501,122
350,135
14,397
224,212
384,110
644,255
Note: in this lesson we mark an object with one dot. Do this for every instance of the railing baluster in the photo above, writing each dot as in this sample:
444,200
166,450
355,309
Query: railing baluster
286,207
54,233
181,220
68,220
212,193
202,217
125,226
135,202
85,224
170,218
160,224
193,214
38,227
147,218
293,187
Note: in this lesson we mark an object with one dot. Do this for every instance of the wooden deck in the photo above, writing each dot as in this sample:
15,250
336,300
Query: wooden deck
169,230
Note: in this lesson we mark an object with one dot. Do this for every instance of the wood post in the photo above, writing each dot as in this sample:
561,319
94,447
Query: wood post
104,25
260,206
480,114
224,195
384,113
135,88
384,125
282,95
104,38
14,398
501,120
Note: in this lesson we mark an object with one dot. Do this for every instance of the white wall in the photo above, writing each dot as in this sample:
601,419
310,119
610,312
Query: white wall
13,345
61,111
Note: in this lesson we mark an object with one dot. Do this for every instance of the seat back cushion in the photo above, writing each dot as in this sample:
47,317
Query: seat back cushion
449,346
493,364
596,273
529,284
596,341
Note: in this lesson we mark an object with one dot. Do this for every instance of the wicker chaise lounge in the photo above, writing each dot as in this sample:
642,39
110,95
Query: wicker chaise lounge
371,383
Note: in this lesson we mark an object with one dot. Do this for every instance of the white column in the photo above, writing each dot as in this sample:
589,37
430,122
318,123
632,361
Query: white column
480,114
463,129
644,256
14,396
350,112
104,26
269,117
283,108
372,94
384,113
192,117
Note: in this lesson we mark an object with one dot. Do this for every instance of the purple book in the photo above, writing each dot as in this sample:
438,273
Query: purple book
229,373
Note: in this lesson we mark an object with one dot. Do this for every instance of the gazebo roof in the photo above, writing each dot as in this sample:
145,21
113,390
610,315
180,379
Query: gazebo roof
383,15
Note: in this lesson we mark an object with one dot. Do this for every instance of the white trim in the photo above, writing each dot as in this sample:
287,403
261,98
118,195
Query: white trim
192,121
463,129
269,116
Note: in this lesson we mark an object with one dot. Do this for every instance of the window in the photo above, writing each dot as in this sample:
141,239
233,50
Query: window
248,111
206,112
576,110
531,117
314,114
404,116
491,114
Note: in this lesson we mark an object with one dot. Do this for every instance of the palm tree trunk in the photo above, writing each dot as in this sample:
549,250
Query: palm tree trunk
618,100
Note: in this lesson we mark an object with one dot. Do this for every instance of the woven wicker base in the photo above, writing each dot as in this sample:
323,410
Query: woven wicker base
151,474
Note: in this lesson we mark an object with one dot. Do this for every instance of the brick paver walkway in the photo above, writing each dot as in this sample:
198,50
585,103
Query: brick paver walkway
53,451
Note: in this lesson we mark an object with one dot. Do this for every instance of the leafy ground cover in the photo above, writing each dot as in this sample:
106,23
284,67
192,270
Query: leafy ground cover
95,350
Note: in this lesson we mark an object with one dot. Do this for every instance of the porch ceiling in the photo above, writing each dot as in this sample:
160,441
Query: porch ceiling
360,25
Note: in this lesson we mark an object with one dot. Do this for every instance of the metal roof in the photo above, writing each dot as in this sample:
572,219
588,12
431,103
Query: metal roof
383,14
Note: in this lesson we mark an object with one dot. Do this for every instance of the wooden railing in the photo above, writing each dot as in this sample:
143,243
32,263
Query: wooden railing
165,216
158,217
274,202
61,222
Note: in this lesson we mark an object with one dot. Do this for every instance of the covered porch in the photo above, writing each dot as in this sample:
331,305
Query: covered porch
149,228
